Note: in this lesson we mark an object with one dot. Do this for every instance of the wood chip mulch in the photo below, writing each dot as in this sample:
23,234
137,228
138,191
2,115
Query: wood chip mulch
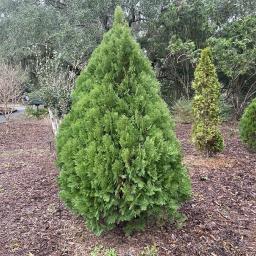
221,215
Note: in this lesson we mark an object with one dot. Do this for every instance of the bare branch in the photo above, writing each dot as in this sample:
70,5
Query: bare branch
11,79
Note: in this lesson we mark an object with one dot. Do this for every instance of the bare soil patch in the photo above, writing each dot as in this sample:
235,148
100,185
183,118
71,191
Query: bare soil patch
221,215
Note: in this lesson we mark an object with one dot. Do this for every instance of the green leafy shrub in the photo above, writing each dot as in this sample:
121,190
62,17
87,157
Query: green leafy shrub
36,112
120,162
247,126
182,111
206,107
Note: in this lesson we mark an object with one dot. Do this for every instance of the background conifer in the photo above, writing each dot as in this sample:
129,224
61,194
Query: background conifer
206,134
248,126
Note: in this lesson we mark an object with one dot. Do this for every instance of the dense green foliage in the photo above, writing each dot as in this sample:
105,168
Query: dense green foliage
235,54
173,42
248,126
171,32
206,135
119,159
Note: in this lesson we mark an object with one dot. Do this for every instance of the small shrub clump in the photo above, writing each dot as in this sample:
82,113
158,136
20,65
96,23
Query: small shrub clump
182,111
36,112
247,126
206,107
120,162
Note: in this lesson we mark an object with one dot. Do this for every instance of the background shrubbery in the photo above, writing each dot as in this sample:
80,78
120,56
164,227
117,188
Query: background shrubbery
36,112
52,45
248,126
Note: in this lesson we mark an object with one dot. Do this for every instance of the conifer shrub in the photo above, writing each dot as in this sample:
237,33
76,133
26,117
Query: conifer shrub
206,107
247,126
120,162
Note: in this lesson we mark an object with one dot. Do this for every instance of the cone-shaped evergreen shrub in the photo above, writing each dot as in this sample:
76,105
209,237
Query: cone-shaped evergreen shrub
248,126
206,110
120,162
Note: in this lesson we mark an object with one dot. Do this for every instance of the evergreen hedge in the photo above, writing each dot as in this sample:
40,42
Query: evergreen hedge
206,107
247,126
120,162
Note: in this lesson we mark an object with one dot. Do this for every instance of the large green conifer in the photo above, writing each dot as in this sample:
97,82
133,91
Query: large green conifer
119,159
206,134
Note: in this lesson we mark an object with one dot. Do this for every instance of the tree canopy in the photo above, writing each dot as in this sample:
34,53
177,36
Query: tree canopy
172,34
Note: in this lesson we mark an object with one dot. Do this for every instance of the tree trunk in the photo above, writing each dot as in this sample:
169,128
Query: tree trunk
54,121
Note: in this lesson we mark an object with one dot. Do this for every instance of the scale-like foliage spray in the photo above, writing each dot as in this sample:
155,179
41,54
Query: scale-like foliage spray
120,162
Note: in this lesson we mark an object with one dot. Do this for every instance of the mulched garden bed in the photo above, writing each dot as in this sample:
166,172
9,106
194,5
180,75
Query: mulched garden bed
221,215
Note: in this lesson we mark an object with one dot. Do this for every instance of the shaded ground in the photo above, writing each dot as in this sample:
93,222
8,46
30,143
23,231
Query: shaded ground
221,216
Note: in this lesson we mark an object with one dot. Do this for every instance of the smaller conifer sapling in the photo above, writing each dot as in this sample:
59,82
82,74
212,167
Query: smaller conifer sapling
247,126
206,134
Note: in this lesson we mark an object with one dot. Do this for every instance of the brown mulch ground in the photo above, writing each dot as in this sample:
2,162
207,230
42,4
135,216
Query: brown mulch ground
221,216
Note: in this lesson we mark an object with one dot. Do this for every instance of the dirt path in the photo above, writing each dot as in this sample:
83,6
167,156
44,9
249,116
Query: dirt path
28,191
221,216
16,115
